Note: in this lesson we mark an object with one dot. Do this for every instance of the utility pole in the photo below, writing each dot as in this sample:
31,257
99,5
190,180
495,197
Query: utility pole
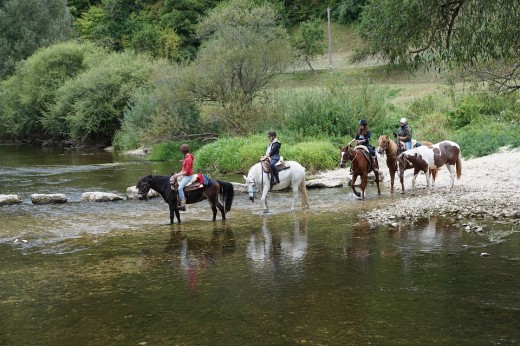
330,39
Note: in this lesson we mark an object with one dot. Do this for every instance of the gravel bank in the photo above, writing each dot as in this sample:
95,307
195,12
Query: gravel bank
488,188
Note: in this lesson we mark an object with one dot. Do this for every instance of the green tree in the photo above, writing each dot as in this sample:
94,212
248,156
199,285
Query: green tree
26,25
244,47
444,33
90,107
27,95
309,43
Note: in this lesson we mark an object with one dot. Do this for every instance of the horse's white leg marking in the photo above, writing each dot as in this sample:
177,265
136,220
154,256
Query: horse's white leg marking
451,168
413,183
295,195
265,190
428,180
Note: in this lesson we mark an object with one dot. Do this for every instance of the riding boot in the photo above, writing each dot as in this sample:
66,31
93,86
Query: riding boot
374,164
276,178
183,205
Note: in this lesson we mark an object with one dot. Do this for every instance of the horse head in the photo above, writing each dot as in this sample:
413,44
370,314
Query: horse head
251,187
401,164
143,186
345,154
383,144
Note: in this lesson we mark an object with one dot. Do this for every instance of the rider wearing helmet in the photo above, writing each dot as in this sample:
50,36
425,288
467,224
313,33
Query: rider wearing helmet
404,133
363,138
186,173
273,153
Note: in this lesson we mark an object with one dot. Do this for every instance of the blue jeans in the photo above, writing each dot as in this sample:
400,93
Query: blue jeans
408,145
184,181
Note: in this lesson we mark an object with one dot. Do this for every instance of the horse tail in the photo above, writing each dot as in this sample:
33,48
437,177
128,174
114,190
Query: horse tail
303,191
458,166
227,192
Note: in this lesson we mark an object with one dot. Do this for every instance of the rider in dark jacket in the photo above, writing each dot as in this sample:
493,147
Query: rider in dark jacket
273,153
363,138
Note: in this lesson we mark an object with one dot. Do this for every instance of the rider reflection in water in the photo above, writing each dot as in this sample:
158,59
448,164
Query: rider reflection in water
273,153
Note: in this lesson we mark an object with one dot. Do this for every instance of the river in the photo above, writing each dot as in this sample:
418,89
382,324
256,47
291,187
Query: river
116,273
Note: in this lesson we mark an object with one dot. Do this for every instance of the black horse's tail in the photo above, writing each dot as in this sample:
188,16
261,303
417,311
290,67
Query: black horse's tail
227,192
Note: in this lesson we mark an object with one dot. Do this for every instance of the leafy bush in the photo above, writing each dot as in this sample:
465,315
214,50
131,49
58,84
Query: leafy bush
334,110
238,154
480,139
169,150
92,104
28,94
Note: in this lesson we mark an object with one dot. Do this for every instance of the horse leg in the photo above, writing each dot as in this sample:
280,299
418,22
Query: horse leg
427,174
415,174
377,182
214,210
392,177
295,194
451,168
364,179
221,208
401,179
352,184
173,212
265,190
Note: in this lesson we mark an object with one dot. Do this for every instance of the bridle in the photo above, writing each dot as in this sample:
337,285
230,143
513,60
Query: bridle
343,153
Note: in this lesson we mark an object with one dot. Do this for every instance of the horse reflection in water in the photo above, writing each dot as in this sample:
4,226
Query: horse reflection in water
195,255
270,252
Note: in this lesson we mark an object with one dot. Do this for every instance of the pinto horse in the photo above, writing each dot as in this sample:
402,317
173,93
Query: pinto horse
360,166
389,147
425,158
161,184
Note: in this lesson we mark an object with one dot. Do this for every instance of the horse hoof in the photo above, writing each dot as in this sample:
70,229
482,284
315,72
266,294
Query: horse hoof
266,212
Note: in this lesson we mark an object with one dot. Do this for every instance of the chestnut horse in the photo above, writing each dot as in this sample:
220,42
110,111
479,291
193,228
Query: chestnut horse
389,147
429,157
211,192
360,166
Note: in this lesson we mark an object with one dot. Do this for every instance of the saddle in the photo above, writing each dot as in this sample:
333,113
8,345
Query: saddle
280,165
196,182
366,154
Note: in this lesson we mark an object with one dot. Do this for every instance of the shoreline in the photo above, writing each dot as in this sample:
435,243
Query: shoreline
488,188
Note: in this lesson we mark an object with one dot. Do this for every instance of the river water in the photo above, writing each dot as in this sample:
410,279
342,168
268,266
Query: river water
86,273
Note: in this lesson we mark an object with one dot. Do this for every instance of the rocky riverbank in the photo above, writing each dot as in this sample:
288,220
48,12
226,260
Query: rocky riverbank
488,188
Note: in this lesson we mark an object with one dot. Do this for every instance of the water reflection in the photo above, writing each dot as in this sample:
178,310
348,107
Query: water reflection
268,250
193,255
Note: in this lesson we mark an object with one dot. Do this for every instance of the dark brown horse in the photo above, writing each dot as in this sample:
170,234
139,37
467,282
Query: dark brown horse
360,165
161,184
425,158
389,147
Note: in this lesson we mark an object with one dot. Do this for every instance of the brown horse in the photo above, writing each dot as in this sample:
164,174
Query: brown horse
425,158
211,191
389,147
360,166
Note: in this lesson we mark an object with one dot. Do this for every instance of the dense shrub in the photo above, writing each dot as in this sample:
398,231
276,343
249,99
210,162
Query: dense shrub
238,154
90,107
27,95
480,139
335,110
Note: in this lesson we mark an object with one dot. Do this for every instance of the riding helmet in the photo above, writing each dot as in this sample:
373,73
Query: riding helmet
185,148
363,122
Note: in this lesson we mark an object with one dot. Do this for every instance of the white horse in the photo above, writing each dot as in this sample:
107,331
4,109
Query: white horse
294,177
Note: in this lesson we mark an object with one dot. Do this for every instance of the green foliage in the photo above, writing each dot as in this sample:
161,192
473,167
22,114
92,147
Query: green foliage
28,94
482,106
348,11
437,32
244,48
238,154
482,138
26,25
169,151
335,110
91,106
433,127
309,42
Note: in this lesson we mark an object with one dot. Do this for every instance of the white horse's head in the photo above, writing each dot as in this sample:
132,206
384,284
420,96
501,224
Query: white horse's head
251,187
